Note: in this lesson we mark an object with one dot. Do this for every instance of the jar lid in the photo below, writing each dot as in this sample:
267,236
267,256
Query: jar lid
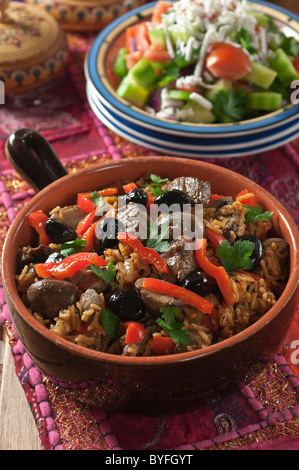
33,46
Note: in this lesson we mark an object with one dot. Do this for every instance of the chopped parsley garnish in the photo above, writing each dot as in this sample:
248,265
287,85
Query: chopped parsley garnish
230,106
108,274
155,185
243,37
168,74
97,199
172,327
155,240
237,256
72,247
255,214
111,323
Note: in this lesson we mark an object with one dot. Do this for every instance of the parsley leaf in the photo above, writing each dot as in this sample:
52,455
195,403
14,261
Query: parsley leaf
237,256
97,199
290,46
230,106
111,323
155,185
72,247
108,275
168,74
172,327
156,241
243,37
255,214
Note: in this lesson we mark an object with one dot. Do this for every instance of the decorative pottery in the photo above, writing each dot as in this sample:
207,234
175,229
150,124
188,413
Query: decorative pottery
33,47
86,15
180,377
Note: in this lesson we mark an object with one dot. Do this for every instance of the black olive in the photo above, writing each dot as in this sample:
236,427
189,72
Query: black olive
127,305
55,257
175,196
106,233
257,253
200,283
137,195
59,232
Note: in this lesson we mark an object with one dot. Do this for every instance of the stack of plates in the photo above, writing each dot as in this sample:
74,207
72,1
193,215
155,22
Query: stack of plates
176,138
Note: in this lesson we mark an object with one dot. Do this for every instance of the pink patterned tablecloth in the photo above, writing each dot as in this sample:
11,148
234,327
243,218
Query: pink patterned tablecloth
264,415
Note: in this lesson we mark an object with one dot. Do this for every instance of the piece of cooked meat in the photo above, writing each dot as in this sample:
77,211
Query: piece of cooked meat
154,300
35,255
198,191
179,259
133,219
48,296
90,297
70,215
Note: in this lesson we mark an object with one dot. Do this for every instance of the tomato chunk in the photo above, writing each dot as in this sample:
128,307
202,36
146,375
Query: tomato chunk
163,345
227,61
159,9
160,55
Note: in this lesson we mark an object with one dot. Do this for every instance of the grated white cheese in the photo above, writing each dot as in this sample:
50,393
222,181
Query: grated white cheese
199,99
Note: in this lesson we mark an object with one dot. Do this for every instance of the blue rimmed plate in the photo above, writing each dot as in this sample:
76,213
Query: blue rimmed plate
103,52
158,143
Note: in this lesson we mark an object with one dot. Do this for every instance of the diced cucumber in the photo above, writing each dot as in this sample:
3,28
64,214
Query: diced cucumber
193,112
261,75
264,101
284,67
179,95
157,37
221,84
130,90
262,19
120,66
177,33
144,73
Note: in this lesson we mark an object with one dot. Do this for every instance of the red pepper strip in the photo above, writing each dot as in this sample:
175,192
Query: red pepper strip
37,220
84,202
108,192
147,254
178,292
215,237
69,266
163,345
217,272
247,198
135,332
86,222
214,197
128,187
88,236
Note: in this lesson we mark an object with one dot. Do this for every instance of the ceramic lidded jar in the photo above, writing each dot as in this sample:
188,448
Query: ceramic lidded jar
86,15
33,47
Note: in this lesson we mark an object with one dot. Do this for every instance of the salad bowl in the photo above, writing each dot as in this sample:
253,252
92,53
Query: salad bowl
111,380
141,125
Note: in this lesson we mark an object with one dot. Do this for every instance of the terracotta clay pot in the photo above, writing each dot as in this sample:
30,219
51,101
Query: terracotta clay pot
183,376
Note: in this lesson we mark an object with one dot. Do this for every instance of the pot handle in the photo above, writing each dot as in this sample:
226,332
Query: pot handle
33,158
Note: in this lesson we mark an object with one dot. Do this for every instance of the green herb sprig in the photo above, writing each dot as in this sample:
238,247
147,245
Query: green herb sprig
168,322
156,184
155,240
236,257
109,274
256,214
111,323
72,247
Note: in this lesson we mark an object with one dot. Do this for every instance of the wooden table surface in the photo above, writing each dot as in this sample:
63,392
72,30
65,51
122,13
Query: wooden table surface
17,426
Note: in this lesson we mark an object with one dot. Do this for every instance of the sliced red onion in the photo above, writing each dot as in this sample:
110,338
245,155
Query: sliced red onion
133,46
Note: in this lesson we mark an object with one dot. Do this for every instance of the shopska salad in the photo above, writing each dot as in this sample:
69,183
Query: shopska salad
207,61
